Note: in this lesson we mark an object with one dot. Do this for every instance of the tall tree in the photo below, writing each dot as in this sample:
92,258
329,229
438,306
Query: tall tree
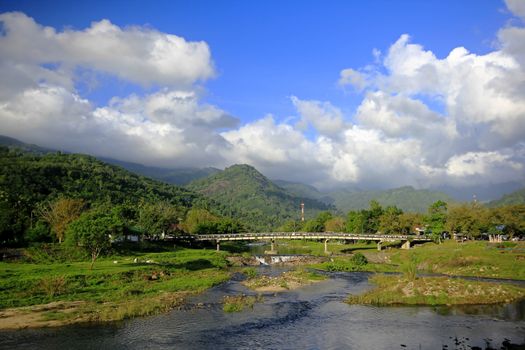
356,221
509,219
389,221
336,224
159,218
197,217
437,217
93,230
467,218
60,213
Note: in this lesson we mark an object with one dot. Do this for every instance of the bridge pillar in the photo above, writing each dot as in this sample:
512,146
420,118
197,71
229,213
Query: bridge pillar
218,246
326,247
273,247
406,245
379,245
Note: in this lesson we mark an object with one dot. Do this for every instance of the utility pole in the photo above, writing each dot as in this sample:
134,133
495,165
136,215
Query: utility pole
302,211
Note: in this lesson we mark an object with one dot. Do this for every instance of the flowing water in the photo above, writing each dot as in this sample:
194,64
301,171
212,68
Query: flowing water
314,317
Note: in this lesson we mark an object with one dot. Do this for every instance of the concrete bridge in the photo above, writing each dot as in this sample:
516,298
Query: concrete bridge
326,236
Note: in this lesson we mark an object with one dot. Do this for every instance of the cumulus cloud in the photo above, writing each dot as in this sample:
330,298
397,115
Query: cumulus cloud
323,116
465,112
168,127
137,54
517,7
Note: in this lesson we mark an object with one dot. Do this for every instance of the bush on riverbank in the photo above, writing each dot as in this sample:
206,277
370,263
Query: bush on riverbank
397,290
237,303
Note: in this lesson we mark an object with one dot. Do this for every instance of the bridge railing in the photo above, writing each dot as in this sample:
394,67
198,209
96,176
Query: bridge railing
333,235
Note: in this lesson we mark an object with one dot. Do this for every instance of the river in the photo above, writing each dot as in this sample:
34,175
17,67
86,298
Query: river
314,317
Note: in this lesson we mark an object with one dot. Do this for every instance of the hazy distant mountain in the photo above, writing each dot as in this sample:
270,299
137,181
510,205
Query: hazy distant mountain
177,176
253,197
516,197
406,198
482,193
303,190
14,143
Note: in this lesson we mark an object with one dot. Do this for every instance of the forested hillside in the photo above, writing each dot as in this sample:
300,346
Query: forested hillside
251,196
28,180
516,197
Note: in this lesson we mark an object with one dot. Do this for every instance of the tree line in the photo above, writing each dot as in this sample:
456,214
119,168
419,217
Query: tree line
470,219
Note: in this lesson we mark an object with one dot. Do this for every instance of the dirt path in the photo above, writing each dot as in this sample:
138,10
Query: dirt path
35,316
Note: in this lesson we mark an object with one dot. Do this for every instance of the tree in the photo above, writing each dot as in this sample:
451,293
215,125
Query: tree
290,226
228,225
408,221
60,213
336,224
313,225
356,220
389,221
323,217
437,217
509,219
159,218
374,217
196,217
92,231
469,218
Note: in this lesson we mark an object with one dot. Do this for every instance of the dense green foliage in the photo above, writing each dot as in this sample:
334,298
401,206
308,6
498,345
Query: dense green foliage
93,231
29,181
251,196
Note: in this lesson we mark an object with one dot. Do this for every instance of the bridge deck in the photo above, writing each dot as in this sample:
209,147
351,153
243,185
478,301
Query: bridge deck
307,235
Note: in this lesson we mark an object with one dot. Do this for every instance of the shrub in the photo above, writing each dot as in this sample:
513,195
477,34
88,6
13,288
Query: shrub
52,286
250,272
359,259
410,267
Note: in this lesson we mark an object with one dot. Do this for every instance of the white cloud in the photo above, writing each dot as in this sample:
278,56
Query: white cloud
479,166
517,7
354,78
466,112
169,127
137,54
323,116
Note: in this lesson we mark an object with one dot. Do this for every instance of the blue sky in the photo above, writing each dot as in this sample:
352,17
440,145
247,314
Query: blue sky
332,93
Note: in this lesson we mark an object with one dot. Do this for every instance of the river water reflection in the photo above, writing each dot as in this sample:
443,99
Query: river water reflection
313,317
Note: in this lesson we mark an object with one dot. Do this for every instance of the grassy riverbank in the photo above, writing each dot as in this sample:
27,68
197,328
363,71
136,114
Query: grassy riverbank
476,259
479,259
116,288
398,290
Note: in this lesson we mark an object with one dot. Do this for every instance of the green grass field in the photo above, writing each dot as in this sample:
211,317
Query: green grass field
481,259
117,287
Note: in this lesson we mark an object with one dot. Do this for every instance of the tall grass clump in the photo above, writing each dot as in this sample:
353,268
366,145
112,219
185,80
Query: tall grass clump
409,267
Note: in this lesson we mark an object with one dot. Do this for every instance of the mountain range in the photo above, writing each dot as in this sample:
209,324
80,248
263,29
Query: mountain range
248,193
